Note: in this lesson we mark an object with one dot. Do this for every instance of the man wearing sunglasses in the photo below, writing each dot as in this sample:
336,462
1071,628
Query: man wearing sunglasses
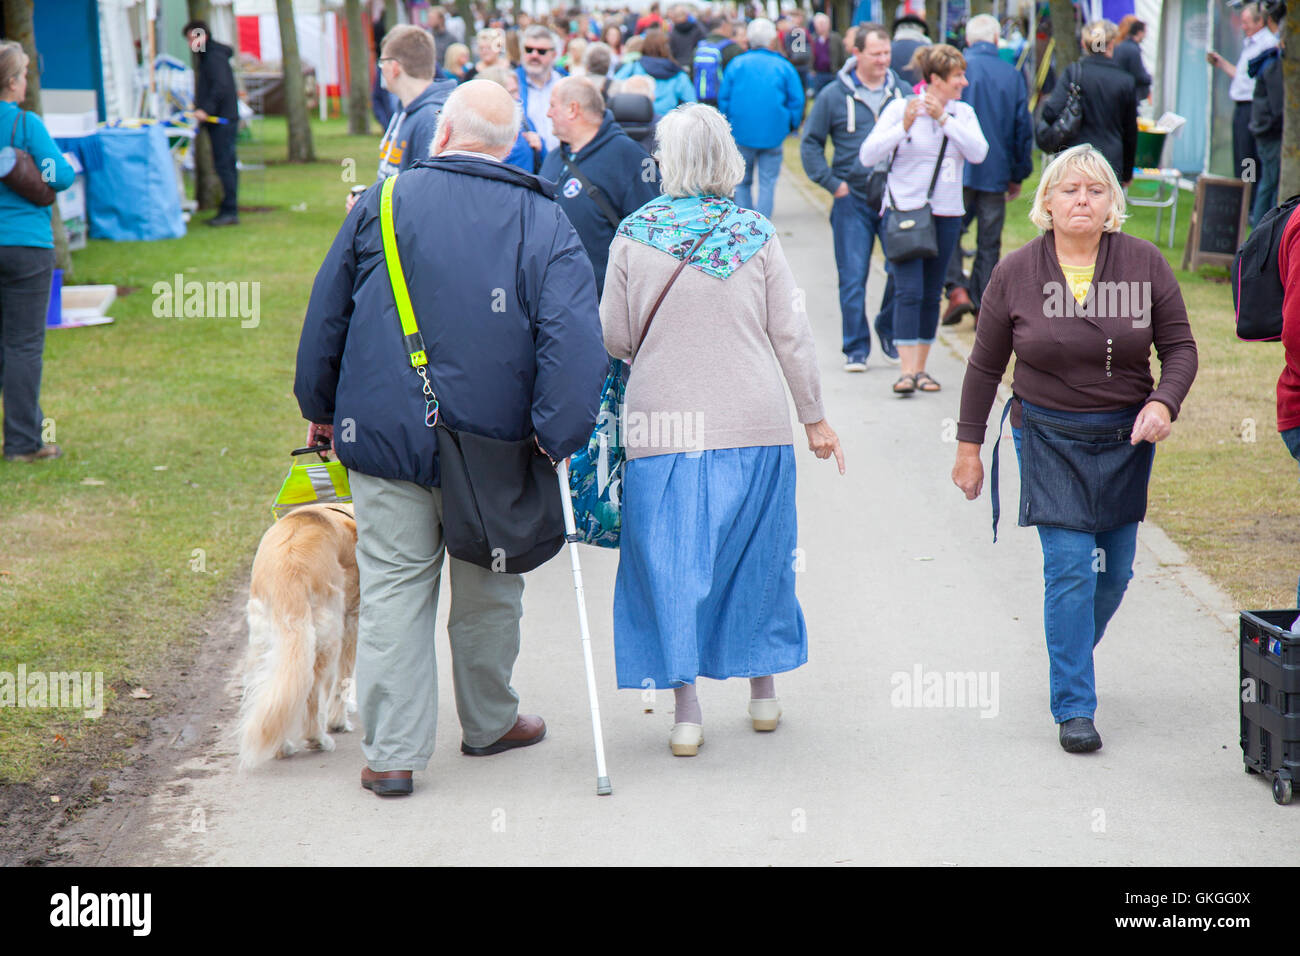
537,77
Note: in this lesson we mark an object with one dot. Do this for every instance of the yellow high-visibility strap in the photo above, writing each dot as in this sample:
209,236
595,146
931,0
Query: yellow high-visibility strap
410,330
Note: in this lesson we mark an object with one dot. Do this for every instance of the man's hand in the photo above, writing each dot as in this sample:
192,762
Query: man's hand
201,115
1013,192
968,472
320,435
841,191
534,140
823,442
1153,423
352,201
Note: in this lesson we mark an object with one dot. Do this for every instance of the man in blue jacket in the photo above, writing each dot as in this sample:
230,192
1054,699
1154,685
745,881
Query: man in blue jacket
509,319
603,175
846,110
762,96
997,94
409,69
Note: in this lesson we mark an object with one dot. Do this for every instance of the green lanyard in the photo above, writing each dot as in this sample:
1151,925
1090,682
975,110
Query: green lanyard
411,337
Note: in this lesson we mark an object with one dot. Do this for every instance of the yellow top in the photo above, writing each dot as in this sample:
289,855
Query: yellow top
1079,278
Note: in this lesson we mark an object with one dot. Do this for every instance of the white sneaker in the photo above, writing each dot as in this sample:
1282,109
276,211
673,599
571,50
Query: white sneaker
765,713
685,739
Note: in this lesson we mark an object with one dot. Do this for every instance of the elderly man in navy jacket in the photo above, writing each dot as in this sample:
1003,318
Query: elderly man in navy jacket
997,94
509,318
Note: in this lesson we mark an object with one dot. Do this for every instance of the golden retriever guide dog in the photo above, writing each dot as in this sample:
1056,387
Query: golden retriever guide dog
302,634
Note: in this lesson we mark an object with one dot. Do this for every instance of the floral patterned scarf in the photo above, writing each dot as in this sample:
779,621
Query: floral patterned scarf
673,226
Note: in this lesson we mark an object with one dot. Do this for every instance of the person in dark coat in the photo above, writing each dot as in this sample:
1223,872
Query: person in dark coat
685,34
508,315
216,106
909,33
621,176
1267,109
1109,101
997,94
1128,54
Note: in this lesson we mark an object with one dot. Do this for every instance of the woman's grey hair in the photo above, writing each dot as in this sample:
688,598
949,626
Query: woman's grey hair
982,28
469,126
1089,163
697,154
13,63
761,32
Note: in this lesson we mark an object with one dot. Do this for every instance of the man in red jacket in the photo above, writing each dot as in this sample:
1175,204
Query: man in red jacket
1288,383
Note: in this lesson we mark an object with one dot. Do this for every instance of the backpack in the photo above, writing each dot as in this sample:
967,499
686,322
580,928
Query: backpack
706,68
1256,282
1061,132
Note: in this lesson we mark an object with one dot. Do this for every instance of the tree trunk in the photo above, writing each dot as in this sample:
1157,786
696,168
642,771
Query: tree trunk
295,99
1290,182
890,10
207,187
466,13
842,15
390,15
1064,33
981,6
359,68
20,28
931,20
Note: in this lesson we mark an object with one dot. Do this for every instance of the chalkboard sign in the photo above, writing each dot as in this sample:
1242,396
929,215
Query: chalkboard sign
1219,221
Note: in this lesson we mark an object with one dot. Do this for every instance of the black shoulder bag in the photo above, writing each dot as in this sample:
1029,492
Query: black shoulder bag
501,504
910,233
1053,137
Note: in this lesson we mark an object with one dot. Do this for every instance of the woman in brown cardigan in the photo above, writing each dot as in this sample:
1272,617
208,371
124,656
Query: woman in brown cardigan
1080,307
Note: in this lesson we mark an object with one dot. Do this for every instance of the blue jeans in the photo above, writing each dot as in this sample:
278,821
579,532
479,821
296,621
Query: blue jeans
919,285
855,226
1084,579
769,167
1270,171
25,276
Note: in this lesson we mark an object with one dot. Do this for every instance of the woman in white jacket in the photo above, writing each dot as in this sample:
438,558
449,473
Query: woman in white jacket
916,130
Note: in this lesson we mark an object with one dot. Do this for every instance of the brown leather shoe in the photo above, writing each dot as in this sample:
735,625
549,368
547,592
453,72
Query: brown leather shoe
40,454
528,730
959,304
387,783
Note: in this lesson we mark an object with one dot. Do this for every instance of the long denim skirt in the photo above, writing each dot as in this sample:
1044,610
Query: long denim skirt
706,570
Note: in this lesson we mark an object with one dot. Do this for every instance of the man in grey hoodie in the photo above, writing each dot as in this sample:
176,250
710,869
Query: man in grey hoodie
846,110
407,65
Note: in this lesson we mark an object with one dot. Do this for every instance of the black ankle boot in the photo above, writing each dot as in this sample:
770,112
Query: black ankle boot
1079,736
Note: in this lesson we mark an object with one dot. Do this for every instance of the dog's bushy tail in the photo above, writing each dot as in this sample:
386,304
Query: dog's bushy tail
278,677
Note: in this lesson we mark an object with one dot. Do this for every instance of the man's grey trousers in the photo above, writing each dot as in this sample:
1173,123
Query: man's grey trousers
399,560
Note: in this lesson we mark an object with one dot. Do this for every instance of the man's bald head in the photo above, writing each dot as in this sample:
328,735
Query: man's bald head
479,116
574,89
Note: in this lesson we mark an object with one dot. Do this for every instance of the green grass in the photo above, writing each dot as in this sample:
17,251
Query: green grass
176,433
1224,486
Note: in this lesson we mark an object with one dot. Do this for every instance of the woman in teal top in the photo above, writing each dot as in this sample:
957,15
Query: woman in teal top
26,266
672,83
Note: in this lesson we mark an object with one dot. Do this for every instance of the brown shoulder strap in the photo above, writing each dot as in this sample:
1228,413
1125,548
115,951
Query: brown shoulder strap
676,272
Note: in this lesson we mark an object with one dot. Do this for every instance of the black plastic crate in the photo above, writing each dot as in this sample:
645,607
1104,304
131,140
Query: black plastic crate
1270,697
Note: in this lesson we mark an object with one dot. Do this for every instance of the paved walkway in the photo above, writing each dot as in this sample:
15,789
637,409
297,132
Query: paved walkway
901,574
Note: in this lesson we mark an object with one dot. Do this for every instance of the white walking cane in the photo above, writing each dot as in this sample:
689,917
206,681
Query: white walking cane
602,779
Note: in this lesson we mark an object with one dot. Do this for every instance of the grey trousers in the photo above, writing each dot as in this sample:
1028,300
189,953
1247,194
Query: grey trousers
25,274
399,561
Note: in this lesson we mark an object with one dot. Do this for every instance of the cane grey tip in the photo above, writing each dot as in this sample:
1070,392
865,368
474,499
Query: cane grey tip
603,788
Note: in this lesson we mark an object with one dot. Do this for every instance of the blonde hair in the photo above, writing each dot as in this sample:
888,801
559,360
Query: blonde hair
697,154
452,55
13,63
1088,162
1098,35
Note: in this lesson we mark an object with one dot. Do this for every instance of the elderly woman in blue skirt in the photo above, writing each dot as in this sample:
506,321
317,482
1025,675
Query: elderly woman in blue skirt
700,298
